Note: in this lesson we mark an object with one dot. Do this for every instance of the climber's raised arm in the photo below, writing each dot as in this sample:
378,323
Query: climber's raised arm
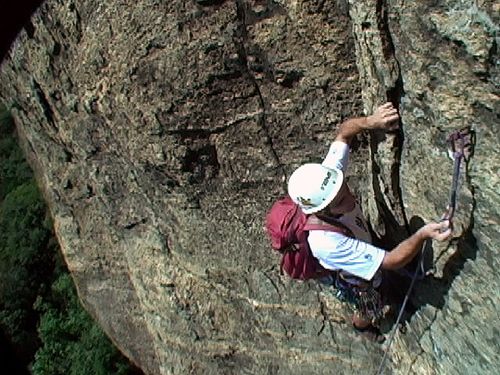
385,117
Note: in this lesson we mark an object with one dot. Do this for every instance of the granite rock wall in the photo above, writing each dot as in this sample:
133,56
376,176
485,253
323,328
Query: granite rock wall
161,132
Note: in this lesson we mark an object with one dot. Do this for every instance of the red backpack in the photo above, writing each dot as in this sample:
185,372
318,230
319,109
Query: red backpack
287,227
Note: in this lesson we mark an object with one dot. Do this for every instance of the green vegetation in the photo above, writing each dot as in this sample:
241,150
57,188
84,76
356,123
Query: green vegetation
73,343
40,313
14,171
23,263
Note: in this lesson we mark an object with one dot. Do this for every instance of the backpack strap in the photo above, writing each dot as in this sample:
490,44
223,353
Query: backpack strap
314,223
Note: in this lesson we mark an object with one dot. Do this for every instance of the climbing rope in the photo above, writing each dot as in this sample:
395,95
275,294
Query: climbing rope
401,310
461,144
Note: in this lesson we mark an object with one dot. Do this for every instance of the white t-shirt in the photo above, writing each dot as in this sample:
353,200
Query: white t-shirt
337,251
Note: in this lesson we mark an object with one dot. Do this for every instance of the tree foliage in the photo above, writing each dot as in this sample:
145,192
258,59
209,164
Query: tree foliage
14,170
72,344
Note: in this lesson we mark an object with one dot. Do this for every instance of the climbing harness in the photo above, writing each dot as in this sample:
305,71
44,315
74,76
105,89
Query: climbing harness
362,296
461,143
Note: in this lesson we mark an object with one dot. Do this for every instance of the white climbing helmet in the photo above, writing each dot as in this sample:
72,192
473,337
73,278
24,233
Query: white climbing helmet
313,186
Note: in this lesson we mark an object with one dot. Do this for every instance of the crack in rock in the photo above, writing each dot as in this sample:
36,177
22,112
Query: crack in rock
240,39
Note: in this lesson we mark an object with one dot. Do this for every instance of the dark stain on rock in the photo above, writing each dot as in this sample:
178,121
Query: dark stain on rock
44,103
201,164
207,3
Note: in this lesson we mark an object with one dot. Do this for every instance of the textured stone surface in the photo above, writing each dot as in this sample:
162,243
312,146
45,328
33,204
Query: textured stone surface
161,133
445,56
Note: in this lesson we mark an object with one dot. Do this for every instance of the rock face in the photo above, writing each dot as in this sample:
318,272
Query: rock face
161,132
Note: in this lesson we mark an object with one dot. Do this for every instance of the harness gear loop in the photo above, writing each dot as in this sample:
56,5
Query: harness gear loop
361,295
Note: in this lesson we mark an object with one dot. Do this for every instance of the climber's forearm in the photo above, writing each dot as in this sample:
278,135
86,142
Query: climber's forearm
385,117
350,128
402,254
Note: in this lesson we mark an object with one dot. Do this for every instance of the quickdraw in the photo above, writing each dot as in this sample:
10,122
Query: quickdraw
461,144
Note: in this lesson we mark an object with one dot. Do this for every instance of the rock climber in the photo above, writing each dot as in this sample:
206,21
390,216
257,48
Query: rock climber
321,192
